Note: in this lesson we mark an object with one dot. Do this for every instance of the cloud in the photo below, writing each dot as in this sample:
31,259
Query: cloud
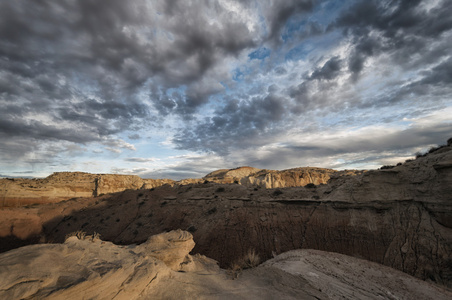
328,71
220,78
403,28
140,159
114,143
189,166
278,14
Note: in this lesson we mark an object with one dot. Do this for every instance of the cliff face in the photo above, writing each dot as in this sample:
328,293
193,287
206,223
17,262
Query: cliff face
271,179
293,177
56,187
66,185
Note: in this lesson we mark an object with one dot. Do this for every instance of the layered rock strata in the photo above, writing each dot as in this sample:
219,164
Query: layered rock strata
66,185
293,177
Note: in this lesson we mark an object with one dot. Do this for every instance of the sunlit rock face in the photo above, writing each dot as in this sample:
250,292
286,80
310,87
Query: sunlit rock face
66,185
293,177
270,179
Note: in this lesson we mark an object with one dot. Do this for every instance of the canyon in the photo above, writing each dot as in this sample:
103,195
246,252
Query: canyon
398,216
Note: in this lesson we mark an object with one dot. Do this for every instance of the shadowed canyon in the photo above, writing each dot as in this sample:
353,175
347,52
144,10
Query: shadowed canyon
397,216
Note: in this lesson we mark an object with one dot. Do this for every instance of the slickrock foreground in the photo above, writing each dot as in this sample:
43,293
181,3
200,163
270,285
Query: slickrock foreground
162,268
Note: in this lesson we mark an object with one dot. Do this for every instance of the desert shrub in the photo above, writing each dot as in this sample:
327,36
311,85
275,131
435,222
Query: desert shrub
79,234
419,154
96,235
310,185
386,167
236,182
408,160
235,270
433,149
220,190
250,260
399,164
212,211
277,192
449,142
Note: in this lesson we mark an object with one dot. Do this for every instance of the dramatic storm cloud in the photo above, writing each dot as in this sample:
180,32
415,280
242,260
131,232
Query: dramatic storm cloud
180,88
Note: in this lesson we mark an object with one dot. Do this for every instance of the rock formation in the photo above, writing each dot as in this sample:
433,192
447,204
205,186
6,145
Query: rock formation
399,217
85,267
271,179
230,175
293,177
66,185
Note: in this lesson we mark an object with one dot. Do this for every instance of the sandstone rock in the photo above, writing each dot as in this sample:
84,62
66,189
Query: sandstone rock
288,178
230,175
172,248
90,268
66,185
277,179
77,269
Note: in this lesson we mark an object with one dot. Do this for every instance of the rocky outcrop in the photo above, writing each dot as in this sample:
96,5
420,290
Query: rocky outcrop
85,267
89,268
271,179
172,248
293,177
66,185
56,187
230,175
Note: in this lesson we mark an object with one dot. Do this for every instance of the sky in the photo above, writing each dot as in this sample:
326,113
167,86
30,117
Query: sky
179,88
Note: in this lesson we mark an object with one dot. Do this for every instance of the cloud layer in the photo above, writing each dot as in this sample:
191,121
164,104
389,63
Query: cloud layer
233,82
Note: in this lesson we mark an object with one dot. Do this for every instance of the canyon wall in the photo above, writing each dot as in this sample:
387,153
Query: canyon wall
293,177
66,185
